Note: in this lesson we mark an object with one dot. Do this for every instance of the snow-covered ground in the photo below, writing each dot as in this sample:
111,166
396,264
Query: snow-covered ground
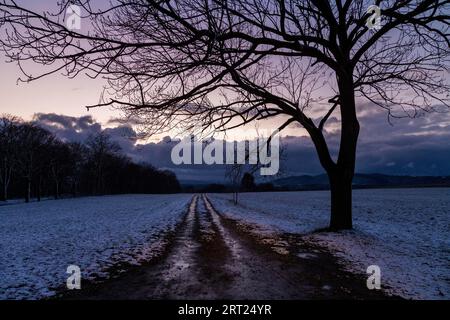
38,241
404,231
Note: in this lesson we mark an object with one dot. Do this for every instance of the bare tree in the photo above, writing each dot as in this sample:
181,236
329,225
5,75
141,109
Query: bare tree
61,163
32,143
8,151
78,159
234,173
248,182
100,149
228,63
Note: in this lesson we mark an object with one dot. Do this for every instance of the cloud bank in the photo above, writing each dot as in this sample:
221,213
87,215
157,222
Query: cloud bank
418,146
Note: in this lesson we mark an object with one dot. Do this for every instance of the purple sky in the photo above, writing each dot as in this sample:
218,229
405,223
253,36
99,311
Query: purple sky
410,146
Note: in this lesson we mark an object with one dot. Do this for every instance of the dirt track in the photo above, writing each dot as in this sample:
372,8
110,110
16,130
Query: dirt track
213,257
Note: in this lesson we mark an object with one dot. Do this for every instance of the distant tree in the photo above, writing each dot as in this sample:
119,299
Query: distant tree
234,173
248,182
170,182
32,143
36,163
241,172
8,151
100,150
61,164
78,159
222,64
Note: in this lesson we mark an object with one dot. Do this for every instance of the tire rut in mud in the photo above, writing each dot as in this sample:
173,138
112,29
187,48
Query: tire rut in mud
213,255
258,273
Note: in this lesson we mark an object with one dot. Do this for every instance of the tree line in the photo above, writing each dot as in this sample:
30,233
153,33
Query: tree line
34,163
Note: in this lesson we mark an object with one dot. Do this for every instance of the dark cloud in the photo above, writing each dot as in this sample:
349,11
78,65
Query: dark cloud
412,146
68,128
125,137
419,146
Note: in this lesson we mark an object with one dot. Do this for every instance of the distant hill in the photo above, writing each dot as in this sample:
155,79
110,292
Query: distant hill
320,182
308,182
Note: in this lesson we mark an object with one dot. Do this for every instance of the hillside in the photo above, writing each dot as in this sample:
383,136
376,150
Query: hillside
362,181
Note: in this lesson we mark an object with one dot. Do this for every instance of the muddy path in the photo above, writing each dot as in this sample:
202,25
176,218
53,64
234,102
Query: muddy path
214,257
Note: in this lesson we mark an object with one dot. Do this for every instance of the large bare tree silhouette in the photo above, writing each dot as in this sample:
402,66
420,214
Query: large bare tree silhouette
225,63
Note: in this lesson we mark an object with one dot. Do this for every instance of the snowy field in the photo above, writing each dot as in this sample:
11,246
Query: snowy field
38,241
404,231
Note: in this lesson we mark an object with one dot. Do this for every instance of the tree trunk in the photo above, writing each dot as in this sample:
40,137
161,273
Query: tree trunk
56,190
4,195
341,176
74,189
235,197
28,191
341,200
5,178
39,191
